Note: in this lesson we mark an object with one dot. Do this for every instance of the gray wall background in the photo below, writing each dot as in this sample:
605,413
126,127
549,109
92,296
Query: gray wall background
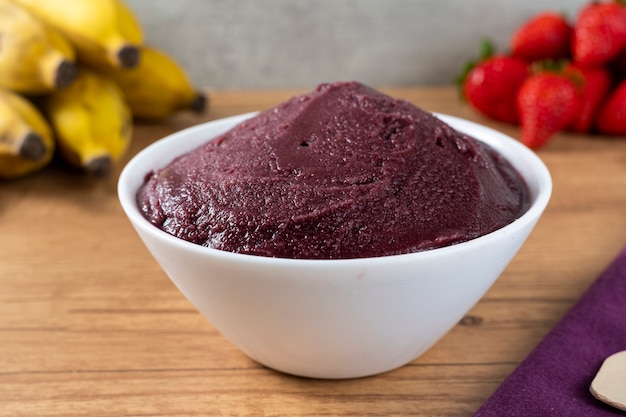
264,44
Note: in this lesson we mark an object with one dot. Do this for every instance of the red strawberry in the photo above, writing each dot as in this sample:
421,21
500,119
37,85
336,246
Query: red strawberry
611,119
547,103
599,32
491,85
596,83
545,36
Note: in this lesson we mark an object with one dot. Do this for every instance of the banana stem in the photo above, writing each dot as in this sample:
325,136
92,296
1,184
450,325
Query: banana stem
66,74
199,103
56,71
32,147
99,166
127,56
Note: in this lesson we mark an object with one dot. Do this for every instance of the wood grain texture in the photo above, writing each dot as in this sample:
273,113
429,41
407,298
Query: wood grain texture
90,326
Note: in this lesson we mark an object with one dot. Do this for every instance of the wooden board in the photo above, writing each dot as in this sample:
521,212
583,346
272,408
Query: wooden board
90,326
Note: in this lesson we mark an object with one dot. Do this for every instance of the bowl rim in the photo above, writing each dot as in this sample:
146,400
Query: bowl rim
485,134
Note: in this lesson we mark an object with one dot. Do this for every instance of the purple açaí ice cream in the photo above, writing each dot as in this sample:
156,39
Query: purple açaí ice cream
341,172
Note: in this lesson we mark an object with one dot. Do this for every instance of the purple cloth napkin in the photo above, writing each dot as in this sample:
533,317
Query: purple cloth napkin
554,379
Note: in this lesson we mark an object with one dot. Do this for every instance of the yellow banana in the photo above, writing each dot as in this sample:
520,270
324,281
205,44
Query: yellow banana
34,58
26,142
104,32
92,122
158,86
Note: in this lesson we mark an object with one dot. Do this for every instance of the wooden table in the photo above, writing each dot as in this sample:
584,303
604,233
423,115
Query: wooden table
90,326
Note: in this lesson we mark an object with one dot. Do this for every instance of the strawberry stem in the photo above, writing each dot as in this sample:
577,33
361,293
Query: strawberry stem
485,51
561,67
549,65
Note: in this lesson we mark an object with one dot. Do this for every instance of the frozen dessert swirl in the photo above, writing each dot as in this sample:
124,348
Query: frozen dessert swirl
341,172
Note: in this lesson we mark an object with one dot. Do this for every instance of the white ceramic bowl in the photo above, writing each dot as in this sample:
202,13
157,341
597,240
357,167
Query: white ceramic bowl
334,318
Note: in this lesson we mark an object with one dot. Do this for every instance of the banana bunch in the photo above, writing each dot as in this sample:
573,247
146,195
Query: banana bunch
85,65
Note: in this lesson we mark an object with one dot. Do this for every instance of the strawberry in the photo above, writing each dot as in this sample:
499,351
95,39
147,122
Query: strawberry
611,118
596,83
547,103
599,32
490,85
545,36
